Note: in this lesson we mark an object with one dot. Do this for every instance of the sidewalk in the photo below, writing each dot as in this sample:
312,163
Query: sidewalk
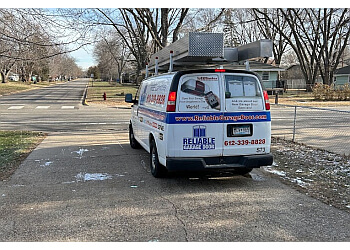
55,195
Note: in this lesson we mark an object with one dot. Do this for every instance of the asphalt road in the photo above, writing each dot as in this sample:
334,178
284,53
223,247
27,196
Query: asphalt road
58,108
85,183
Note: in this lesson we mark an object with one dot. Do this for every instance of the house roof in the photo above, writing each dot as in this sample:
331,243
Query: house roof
343,71
293,66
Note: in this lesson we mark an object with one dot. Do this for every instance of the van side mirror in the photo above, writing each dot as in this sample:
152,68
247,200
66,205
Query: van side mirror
128,98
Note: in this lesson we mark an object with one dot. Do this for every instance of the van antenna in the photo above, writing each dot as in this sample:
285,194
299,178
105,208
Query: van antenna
146,70
156,66
171,61
247,66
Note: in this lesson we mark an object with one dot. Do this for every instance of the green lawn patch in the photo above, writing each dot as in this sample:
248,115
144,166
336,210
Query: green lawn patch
10,87
15,146
15,87
115,92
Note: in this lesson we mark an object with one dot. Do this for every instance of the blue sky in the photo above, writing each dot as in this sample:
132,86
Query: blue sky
83,56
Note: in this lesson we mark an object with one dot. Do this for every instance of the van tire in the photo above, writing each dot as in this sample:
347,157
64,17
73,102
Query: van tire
157,169
243,171
133,142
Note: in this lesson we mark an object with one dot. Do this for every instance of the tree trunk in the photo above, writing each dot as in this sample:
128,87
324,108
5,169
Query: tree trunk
4,75
164,26
120,75
3,78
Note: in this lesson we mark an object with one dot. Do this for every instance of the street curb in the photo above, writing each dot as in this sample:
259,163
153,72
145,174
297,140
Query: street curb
83,99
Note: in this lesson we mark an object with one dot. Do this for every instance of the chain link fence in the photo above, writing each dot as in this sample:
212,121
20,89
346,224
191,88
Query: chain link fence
323,128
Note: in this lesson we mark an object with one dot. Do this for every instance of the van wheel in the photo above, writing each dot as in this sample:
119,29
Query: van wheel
133,143
243,171
157,169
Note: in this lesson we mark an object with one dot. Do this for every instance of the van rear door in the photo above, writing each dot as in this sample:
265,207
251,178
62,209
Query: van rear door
196,126
247,126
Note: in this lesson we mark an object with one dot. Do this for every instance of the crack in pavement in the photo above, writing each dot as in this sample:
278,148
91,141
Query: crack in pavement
176,216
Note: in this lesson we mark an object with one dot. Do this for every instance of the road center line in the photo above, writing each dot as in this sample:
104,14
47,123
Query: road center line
16,107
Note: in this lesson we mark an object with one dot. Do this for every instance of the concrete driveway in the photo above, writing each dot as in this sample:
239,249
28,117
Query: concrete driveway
91,186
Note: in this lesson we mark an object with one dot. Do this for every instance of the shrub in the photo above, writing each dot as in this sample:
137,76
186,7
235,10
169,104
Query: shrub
331,92
317,91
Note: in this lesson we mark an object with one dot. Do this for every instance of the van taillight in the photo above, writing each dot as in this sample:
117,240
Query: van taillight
266,99
171,102
220,70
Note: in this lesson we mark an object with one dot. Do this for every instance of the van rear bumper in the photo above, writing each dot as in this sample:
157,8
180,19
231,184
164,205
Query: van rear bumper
223,162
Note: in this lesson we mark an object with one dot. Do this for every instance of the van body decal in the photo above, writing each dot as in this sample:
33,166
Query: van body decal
199,141
157,115
232,117
218,117
199,93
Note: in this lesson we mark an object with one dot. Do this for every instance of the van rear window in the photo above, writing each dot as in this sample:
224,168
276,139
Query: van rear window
241,86
242,93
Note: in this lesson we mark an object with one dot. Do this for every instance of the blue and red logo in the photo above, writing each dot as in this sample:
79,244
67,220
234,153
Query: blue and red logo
199,141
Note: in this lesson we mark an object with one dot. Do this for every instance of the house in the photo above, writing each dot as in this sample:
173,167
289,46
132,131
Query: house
342,75
293,72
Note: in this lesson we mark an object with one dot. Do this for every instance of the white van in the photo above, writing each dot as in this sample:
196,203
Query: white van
202,119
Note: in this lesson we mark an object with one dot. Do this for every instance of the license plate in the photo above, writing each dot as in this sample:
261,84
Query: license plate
243,130
239,130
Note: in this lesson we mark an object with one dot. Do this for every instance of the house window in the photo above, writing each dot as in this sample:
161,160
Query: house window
335,79
265,76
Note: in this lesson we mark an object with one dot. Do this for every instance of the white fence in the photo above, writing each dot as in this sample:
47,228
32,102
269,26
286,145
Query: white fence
296,83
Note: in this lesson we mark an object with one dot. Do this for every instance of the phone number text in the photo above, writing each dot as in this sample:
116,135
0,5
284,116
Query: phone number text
244,142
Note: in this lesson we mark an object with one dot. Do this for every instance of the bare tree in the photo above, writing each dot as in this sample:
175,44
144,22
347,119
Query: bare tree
26,41
133,32
144,31
318,38
112,55
335,38
161,23
269,31
242,26
203,20
104,58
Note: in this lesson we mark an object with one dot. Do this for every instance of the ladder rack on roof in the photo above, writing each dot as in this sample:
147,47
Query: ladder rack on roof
203,49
